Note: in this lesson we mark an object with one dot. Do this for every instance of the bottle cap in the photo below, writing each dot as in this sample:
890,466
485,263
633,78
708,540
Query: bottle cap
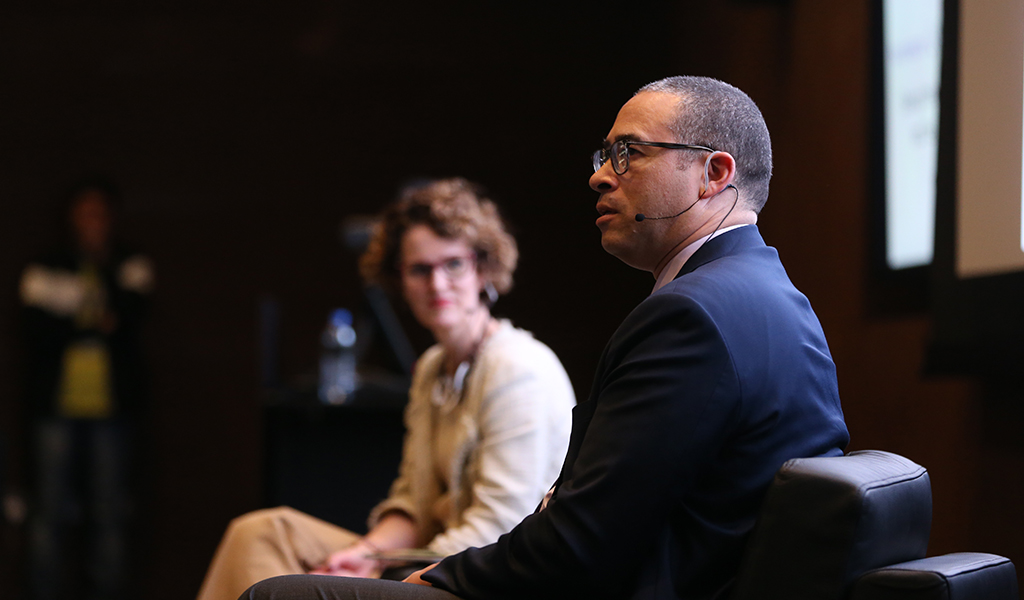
341,317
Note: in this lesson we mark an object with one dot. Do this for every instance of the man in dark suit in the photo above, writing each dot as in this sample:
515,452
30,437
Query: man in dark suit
707,387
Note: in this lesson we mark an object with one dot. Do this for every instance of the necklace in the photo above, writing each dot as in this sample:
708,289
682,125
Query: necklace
448,389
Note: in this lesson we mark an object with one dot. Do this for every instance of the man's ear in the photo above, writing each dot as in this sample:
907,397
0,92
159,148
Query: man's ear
719,173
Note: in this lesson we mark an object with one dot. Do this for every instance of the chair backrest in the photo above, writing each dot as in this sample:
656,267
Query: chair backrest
827,520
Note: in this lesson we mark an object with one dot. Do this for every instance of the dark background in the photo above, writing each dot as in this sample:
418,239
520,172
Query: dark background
244,132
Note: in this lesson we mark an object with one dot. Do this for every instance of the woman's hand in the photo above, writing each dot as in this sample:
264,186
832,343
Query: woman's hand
353,561
394,530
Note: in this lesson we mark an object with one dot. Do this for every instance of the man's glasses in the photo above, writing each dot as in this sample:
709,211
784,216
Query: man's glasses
619,153
452,268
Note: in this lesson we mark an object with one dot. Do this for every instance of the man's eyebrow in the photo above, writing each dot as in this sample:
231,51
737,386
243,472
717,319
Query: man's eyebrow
625,137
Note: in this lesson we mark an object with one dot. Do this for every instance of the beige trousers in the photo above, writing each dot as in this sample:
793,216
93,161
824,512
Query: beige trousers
266,543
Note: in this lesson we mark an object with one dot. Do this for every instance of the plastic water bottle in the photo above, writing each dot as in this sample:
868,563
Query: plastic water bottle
337,359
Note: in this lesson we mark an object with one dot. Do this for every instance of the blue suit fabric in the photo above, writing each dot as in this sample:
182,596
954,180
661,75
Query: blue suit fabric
702,393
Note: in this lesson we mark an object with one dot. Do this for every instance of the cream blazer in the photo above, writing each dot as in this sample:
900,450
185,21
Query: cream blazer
511,432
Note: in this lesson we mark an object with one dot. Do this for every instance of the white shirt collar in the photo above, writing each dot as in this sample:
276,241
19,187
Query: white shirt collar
676,263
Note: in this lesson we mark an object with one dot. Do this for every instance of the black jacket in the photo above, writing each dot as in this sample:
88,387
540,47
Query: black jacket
47,334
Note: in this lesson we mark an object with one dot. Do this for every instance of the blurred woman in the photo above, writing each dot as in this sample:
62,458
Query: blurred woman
488,417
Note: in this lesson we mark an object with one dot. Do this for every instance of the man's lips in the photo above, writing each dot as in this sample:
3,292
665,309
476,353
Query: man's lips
606,213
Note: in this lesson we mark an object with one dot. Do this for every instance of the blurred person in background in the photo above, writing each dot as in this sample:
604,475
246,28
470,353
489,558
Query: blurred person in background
83,306
487,422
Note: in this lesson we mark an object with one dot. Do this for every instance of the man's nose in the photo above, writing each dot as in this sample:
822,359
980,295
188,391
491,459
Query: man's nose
604,179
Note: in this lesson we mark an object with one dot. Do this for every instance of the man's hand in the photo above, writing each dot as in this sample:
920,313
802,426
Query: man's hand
415,577
350,562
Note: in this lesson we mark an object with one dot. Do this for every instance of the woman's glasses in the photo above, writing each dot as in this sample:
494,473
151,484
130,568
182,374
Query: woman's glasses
452,268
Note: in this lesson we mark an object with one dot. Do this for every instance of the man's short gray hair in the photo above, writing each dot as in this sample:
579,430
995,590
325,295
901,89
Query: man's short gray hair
715,114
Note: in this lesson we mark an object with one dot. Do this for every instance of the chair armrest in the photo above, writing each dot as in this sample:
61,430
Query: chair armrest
958,576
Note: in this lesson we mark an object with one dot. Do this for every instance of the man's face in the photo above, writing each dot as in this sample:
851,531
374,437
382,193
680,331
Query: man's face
659,182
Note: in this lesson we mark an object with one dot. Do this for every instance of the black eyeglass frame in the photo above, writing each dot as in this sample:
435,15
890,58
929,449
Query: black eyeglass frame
601,156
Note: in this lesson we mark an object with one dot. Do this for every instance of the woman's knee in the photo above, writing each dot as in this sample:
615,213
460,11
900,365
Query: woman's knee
257,524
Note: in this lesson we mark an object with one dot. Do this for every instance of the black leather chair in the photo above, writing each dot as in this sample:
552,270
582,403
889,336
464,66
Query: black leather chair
856,527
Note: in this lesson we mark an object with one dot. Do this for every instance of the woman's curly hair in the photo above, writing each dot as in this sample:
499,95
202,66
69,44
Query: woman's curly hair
454,209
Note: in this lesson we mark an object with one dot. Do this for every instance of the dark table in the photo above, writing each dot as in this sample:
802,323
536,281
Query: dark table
335,462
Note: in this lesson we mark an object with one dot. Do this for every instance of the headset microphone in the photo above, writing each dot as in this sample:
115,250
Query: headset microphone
642,217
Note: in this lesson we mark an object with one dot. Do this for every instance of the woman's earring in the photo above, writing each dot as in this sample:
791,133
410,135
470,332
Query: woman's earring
492,294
